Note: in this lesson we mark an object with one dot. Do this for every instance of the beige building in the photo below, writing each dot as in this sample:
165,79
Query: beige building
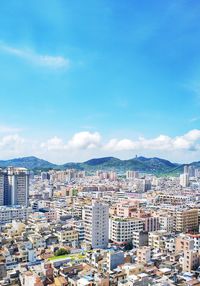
37,240
183,244
68,234
144,254
191,260
156,239
30,279
186,220
166,222
126,209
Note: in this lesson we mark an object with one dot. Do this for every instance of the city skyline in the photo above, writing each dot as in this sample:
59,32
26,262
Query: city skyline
99,143
84,80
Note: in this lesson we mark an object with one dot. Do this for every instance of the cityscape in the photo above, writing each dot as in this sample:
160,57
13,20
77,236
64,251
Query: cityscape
68,227
99,143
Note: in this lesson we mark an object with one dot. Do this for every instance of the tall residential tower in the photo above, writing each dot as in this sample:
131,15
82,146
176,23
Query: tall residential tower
14,186
96,221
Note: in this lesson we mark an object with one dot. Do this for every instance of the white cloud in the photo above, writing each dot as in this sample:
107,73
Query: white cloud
11,141
188,141
54,143
48,61
84,140
120,145
81,140
162,142
192,135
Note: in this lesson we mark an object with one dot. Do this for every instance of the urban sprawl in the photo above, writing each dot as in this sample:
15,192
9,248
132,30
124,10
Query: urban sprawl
69,227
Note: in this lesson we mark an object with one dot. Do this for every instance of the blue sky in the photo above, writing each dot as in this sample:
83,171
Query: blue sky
82,79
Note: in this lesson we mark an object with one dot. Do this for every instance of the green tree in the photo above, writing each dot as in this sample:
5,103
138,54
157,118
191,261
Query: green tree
62,251
74,192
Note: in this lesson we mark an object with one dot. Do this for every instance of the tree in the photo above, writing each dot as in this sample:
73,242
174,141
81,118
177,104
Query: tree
62,251
74,192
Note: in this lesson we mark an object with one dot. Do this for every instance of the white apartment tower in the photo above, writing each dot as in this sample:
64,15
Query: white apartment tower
14,187
184,180
19,186
96,222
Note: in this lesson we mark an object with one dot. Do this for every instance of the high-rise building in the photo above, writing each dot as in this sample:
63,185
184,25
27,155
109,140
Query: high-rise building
1,188
14,187
186,169
130,175
18,179
5,195
184,180
96,222
191,171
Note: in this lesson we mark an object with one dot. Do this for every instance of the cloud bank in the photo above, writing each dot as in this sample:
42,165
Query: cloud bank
188,141
86,144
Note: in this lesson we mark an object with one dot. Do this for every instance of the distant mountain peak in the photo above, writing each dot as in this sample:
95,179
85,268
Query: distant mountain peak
97,161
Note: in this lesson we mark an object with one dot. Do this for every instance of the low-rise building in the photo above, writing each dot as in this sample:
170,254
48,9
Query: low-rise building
122,229
144,254
67,235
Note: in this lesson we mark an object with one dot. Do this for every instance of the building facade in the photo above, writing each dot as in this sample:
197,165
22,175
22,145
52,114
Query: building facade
96,222
122,229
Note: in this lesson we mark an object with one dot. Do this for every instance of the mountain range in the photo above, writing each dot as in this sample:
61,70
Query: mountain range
148,165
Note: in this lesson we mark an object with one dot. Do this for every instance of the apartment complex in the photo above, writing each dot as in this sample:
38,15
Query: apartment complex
186,220
96,221
122,229
67,235
7,214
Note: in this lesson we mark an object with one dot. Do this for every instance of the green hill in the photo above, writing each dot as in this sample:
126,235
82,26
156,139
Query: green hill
148,165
